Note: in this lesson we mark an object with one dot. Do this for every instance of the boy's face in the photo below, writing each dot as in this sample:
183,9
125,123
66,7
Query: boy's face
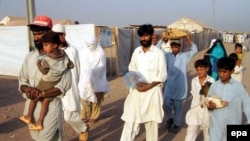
238,50
225,75
49,47
175,49
201,71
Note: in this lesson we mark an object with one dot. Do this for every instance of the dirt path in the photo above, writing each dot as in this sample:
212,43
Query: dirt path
108,128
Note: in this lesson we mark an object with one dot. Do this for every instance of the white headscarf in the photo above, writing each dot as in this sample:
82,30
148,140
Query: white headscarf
91,43
212,42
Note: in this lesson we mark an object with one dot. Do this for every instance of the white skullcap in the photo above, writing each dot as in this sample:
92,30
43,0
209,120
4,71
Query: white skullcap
59,28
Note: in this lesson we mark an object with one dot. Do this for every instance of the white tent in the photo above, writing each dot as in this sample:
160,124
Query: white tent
190,25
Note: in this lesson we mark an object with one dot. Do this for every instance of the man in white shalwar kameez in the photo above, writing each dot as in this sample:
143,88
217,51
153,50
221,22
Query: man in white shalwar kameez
93,83
71,101
144,102
29,78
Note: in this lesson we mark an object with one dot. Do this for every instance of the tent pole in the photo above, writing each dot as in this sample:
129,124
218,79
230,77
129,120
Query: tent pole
30,7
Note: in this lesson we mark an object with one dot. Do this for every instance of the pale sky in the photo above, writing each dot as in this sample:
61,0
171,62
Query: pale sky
229,15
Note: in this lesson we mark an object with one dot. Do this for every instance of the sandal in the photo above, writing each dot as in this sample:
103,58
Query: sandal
24,119
36,127
83,136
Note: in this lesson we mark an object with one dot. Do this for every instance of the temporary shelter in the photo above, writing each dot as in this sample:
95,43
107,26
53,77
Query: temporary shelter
190,25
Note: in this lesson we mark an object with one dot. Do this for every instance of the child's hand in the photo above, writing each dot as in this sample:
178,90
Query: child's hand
211,105
39,62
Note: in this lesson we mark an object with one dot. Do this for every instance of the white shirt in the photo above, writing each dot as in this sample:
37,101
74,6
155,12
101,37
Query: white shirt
146,106
196,87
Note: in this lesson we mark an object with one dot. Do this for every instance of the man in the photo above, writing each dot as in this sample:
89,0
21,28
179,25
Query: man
175,89
144,102
164,42
29,78
155,39
71,100
93,83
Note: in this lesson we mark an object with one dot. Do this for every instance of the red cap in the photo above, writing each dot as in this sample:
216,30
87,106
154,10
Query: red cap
42,21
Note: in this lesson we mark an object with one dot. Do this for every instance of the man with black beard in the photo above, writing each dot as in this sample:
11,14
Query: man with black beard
144,102
29,78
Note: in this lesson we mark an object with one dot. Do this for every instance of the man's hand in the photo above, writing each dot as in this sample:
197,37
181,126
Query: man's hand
142,87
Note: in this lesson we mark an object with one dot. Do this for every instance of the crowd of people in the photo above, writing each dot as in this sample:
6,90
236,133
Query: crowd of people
60,82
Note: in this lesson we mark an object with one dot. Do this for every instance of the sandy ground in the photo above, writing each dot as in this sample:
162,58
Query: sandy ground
108,127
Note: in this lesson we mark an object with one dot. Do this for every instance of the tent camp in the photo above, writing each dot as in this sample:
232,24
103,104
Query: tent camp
21,21
190,25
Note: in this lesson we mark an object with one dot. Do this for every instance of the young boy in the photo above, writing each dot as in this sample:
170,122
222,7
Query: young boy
238,69
193,118
233,94
52,64
238,50
175,87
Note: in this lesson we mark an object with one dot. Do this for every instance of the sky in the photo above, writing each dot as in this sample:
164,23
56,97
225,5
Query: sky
223,15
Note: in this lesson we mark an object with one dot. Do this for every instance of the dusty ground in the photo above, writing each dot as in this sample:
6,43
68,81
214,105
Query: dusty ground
108,128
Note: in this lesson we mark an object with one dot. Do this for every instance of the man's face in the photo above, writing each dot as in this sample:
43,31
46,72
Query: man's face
225,75
146,40
165,39
37,35
154,39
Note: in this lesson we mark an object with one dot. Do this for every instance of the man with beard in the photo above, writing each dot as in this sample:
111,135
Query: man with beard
29,78
144,102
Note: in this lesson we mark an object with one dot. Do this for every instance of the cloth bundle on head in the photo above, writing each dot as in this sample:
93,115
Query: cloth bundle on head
91,43
175,33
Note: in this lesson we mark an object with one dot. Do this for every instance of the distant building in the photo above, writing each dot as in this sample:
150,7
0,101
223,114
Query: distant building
22,21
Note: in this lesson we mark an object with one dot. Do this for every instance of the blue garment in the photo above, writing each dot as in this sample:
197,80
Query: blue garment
238,101
176,83
215,55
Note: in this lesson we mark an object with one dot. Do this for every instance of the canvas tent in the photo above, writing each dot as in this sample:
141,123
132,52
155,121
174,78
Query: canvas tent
190,25
21,21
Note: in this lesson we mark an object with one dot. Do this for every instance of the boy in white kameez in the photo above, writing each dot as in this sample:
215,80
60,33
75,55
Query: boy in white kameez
198,115
235,97
144,102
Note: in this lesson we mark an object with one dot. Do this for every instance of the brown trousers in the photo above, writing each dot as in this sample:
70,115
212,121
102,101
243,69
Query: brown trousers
92,110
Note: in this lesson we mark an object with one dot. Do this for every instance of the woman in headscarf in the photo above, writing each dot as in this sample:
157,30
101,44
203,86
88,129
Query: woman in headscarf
93,83
213,54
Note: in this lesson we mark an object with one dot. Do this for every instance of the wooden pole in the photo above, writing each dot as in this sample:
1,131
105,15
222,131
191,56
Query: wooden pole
30,6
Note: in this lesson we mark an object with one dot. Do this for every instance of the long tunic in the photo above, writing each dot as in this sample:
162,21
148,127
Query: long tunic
92,73
238,101
176,84
71,101
30,75
140,107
